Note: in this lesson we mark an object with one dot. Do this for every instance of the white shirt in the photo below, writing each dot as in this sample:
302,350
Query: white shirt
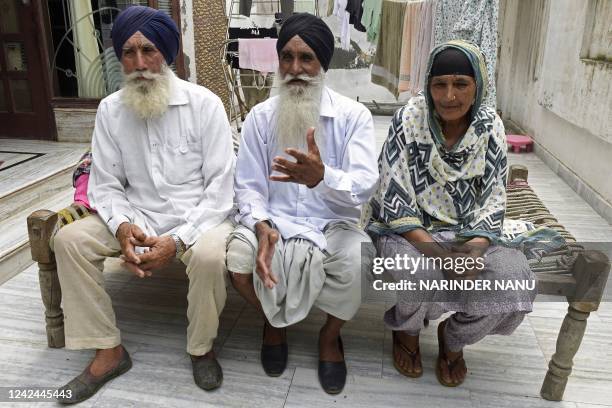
168,174
351,171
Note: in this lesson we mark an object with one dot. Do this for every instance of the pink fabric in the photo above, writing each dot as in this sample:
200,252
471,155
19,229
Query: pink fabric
258,54
80,192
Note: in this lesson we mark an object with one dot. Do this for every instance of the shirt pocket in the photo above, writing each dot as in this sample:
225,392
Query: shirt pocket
182,158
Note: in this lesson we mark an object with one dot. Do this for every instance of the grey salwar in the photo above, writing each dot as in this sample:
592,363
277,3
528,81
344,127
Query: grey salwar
478,314
329,279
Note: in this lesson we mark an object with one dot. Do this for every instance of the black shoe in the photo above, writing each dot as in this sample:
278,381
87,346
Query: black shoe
274,358
85,385
332,375
207,372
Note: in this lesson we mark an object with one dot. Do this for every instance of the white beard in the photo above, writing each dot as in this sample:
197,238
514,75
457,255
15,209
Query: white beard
298,109
148,97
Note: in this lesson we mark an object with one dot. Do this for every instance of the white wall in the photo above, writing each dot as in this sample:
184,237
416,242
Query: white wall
563,101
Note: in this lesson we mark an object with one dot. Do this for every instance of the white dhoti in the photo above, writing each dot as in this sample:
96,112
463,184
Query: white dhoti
329,279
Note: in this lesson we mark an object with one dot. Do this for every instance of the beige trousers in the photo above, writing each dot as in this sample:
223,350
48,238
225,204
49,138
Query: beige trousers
89,320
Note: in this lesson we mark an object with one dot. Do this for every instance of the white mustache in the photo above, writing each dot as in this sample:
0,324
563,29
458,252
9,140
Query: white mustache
303,77
146,74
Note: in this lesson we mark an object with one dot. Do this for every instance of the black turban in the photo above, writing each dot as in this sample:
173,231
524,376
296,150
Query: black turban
451,61
315,33
153,24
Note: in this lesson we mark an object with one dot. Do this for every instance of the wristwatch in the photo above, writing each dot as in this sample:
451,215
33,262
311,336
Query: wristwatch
180,245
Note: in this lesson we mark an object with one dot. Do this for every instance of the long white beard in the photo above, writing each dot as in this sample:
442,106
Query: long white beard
148,97
299,107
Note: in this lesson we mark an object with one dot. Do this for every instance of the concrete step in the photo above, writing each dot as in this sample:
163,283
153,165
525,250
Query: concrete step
14,246
35,192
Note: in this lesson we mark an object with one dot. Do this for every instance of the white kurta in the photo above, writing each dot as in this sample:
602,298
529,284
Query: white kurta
168,174
351,171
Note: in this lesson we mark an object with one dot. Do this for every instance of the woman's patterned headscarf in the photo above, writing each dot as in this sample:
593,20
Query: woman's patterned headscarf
477,59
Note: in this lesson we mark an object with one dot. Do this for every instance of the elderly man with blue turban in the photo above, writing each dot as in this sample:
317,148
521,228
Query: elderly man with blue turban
306,164
161,182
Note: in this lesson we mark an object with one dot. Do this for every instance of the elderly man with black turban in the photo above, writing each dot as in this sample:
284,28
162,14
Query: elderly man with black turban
306,164
161,182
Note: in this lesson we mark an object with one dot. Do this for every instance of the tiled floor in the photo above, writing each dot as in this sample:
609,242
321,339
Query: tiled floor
503,371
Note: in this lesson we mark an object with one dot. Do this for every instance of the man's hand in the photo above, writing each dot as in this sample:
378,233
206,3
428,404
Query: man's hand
127,235
160,253
267,237
309,168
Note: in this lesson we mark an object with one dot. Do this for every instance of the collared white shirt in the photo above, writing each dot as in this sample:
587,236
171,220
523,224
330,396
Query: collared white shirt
351,171
168,174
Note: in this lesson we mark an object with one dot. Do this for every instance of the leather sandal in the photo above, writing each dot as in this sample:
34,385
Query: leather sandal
85,385
273,357
414,356
443,359
332,374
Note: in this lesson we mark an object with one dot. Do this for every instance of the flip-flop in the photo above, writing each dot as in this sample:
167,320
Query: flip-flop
415,356
442,357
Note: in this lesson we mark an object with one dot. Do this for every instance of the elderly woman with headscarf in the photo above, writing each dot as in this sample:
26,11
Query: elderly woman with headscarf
442,197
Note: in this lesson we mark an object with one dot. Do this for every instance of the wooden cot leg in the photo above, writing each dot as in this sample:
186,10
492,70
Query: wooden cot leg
560,365
590,271
40,228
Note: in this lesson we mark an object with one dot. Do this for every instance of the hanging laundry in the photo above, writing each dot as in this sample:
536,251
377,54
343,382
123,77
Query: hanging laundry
304,6
422,46
409,36
235,33
265,7
345,28
474,21
355,10
386,65
258,54
326,8
371,18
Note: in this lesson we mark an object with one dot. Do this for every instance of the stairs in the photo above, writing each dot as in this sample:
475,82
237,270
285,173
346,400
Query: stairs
29,184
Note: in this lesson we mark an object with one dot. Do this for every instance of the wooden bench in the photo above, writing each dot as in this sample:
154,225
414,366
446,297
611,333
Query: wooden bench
572,272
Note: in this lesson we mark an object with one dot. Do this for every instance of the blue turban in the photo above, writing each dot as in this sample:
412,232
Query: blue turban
153,24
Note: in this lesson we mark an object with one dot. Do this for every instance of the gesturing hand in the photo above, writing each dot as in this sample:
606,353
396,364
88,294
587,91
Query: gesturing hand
267,237
308,170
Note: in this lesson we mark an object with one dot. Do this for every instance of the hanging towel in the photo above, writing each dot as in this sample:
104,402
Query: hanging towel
422,47
371,18
386,65
258,54
409,43
345,28
235,33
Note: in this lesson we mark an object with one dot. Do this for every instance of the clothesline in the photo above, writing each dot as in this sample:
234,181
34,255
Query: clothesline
411,29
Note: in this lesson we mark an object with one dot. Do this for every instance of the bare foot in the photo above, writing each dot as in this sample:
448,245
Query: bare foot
105,360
